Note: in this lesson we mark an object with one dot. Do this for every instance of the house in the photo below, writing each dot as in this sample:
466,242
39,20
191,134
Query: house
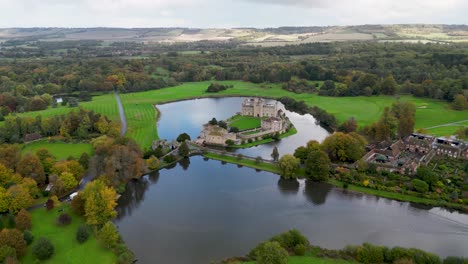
259,107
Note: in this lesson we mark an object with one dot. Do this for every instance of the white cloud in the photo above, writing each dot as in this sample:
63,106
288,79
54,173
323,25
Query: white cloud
219,13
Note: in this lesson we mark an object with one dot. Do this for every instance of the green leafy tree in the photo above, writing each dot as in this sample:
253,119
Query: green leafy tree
272,253
43,249
317,165
108,235
69,181
184,150
288,165
420,186
100,202
82,234
183,137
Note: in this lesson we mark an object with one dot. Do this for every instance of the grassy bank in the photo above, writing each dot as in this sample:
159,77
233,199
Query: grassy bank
291,132
244,162
385,194
67,249
399,196
59,150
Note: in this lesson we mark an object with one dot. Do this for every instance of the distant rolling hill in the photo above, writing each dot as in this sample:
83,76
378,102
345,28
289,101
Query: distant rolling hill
264,37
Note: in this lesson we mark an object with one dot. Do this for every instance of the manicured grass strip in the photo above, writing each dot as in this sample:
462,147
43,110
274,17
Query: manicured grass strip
446,130
398,196
291,132
246,122
311,260
60,150
244,162
67,249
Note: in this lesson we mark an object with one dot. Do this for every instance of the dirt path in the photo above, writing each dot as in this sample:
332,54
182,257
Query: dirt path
448,124
123,119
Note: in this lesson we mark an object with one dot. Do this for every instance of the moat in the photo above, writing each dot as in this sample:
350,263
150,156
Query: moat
189,116
203,210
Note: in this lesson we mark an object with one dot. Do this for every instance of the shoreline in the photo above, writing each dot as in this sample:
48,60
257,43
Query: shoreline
339,184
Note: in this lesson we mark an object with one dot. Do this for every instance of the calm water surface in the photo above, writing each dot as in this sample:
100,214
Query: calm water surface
203,210
189,117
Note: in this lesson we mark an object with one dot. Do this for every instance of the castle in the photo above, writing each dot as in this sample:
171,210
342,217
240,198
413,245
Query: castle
258,107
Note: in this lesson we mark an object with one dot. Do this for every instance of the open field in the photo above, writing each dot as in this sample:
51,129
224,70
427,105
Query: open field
67,249
104,104
245,122
141,114
60,150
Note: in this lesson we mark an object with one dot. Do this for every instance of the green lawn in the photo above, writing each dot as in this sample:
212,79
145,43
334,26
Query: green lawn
104,104
60,150
245,122
291,132
312,260
141,114
67,249
245,162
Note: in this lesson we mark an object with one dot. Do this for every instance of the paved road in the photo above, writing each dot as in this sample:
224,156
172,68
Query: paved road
448,124
123,119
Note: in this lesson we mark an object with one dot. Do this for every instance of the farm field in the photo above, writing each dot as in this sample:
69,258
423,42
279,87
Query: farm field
141,113
59,150
67,249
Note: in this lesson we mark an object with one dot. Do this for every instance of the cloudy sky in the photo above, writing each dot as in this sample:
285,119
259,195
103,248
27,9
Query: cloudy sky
227,13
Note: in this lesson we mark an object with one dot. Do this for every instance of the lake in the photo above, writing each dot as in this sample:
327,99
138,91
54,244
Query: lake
203,210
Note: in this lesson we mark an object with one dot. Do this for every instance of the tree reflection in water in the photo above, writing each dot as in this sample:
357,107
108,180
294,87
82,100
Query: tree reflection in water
184,163
316,192
135,194
288,186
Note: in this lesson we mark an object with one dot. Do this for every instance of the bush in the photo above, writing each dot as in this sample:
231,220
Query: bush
169,158
43,249
28,237
300,249
397,253
420,186
64,219
272,253
368,254
454,260
422,257
182,137
6,251
289,240
82,234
